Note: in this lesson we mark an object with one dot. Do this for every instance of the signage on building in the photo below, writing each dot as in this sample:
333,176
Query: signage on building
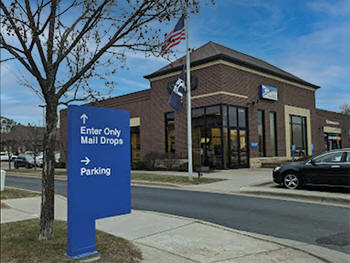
268,93
334,138
98,161
332,122
254,145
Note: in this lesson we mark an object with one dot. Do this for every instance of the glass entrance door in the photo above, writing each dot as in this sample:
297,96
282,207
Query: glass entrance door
238,138
234,148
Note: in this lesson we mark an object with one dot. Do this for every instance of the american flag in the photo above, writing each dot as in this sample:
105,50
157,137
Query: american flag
175,36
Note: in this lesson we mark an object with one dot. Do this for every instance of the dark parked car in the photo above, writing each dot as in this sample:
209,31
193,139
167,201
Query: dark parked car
330,168
24,160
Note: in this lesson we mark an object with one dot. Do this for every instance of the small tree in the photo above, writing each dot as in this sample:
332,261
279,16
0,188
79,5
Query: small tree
63,44
345,108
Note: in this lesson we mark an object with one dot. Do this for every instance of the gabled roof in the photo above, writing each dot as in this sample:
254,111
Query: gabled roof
212,51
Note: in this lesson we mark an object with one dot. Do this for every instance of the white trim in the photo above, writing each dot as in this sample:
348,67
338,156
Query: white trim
291,110
328,129
134,122
219,93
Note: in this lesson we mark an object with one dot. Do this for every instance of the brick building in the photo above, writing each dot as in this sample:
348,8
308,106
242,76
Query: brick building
245,111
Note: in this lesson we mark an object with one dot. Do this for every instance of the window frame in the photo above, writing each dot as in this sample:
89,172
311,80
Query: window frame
274,114
263,146
166,126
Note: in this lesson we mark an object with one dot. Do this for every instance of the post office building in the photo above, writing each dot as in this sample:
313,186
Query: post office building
245,112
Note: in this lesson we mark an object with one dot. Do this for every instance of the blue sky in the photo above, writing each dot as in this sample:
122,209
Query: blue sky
310,39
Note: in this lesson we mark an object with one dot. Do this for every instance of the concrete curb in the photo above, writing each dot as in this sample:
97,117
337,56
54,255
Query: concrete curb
298,195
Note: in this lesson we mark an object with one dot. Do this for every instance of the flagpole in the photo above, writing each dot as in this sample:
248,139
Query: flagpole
189,115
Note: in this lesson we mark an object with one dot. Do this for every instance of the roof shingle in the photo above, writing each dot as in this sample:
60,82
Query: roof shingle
212,51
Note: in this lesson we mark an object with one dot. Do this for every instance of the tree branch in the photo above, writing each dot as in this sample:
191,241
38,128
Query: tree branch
34,69
100,53
88,25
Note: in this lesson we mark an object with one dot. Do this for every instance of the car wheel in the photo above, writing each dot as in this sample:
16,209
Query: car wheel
15,165
291,181
27,166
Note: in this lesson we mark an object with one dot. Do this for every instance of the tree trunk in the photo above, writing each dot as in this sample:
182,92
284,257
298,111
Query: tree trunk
48,183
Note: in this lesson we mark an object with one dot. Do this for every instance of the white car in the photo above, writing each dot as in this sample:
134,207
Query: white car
4,156
39,160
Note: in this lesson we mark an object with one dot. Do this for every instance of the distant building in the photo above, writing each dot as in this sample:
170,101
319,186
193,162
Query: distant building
6,124
245,112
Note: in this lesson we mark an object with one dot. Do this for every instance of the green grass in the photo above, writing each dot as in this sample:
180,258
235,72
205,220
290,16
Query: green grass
10,193
172,179
19,243
161,178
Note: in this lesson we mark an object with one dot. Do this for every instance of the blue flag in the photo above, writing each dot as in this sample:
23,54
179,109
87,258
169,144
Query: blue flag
175,100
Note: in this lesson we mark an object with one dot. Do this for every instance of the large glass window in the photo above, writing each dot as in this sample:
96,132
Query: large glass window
332,141
198,137
135,144
273,134
170,132
219,137
213,135
241,118
206,137
298,135
261,132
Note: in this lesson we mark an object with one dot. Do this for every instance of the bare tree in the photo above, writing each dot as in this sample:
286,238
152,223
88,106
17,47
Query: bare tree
63,44
345,108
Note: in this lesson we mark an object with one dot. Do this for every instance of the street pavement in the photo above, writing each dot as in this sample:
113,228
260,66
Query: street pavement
248,181
167,238
257,182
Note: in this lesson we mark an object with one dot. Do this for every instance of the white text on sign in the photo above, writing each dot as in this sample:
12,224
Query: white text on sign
95,171
99,136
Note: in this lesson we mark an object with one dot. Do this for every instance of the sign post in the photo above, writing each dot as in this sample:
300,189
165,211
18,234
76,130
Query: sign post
98,170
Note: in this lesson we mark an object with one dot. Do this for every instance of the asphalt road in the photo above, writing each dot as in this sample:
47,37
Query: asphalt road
327,226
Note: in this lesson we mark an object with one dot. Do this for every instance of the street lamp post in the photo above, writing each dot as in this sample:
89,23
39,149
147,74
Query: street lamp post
43,107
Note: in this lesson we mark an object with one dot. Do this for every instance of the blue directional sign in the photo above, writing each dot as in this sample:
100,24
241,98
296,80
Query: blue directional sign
98,166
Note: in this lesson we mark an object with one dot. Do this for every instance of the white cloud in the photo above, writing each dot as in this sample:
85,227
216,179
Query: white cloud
342,7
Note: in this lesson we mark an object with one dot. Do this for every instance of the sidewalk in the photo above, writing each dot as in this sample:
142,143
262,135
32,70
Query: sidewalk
172,239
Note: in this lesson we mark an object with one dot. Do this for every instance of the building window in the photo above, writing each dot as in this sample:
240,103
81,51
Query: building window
261,133
219,137
213,136
206,137
135,144
170,132
298,135
273,133
332,141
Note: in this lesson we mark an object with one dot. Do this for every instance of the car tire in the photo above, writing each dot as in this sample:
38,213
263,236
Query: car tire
15,165
291,181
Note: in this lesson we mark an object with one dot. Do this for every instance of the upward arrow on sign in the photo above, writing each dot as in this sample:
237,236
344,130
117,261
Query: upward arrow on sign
84,117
